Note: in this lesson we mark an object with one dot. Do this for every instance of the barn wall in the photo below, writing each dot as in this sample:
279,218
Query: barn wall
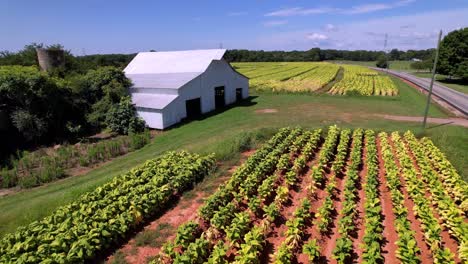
152,117
219,73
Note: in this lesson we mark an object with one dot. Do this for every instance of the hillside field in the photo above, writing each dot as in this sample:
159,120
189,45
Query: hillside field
57,214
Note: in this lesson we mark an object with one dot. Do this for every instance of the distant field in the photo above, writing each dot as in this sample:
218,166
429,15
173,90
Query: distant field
333,78
288,76
394,65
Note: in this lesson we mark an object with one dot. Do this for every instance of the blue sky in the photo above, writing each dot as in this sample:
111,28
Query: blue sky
99,26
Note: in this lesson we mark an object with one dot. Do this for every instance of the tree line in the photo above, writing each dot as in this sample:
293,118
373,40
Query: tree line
317,54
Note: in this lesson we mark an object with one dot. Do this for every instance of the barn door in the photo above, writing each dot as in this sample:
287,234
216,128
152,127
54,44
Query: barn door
238,94
193,108
219,97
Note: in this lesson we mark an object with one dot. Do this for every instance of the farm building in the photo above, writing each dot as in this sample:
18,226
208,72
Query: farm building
170,86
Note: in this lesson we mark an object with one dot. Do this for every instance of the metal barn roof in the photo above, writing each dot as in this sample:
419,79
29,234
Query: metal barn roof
153,101
173,61
168,70
162,80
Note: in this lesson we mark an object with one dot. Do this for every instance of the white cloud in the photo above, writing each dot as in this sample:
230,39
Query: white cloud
299,11
330,28
359,9
240,13
273,23
418,31
316,36
368,8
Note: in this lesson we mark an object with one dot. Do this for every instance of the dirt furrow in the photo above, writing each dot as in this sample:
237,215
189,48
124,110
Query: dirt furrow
448,240
277,234
426,255
390,235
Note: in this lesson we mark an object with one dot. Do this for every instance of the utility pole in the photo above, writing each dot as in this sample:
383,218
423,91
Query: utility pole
385,50
432,81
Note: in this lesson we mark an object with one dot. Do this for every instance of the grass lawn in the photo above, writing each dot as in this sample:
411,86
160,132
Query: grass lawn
442,79
219,132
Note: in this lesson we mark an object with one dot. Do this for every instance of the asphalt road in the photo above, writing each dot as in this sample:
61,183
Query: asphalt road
454,98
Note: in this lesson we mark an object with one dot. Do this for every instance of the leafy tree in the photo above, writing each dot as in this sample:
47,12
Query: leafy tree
422,65
28,124
382,62
453,59
100,89
395,54
122,118
34,103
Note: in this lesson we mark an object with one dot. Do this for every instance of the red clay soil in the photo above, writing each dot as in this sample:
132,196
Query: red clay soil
359,221
426,255
311,232
185,210
390,235
448,241
277,234
328,241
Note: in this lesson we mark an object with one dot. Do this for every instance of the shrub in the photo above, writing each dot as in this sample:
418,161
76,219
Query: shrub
122,118
137,141
8,178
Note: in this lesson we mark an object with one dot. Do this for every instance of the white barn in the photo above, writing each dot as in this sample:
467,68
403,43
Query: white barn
170,86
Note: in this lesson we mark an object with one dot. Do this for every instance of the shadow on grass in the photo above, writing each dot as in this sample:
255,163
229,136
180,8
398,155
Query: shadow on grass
244,103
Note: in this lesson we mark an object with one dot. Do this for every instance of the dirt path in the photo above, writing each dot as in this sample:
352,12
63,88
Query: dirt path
441,121
390,235
147,243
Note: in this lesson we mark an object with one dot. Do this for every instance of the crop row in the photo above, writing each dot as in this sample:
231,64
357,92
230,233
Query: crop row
100,218
323,216
363,81
344,244
422,207
452,217
373,236
408,250
259,196
452,181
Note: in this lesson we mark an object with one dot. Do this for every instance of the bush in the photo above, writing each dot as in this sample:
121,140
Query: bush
8,178
123,119
382,62
33,104
138,141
